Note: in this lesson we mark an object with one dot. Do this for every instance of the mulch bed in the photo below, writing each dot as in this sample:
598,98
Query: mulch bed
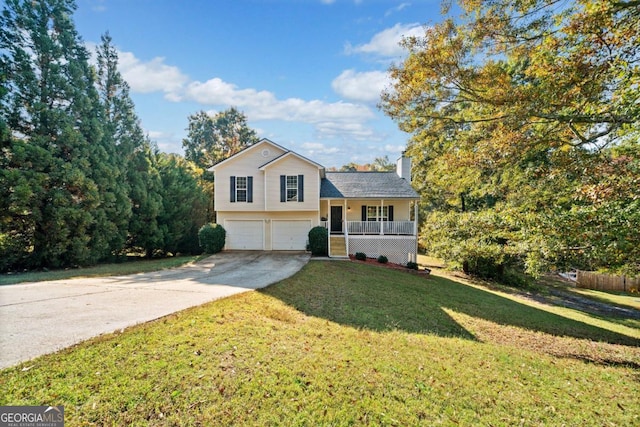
373,261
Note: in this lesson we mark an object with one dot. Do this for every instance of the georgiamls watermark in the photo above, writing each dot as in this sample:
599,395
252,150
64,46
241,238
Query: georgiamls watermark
31,416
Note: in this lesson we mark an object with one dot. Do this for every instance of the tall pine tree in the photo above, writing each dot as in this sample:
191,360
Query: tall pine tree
184,207
146,195
48,110
123,131
60,179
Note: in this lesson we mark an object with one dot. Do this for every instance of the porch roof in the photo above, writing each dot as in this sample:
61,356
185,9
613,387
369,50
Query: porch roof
365,185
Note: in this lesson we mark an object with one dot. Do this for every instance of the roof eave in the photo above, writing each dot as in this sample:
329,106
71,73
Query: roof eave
371,197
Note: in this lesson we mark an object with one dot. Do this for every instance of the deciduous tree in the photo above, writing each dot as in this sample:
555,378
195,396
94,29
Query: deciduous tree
212,139
516,111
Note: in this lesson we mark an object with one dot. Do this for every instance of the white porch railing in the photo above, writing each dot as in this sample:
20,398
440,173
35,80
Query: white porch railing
395,228
392,228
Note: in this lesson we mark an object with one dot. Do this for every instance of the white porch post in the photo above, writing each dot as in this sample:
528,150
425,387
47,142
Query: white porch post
344,217
329,227
415,228
415,218
346,226
381,217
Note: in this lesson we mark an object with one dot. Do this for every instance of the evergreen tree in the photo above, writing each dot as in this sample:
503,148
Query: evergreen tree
122,137
184,204
138,156
146,196
52,113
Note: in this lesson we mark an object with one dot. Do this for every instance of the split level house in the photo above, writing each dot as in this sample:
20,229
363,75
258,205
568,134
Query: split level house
267,198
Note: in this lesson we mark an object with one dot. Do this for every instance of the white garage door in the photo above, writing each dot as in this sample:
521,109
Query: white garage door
244,235
290,235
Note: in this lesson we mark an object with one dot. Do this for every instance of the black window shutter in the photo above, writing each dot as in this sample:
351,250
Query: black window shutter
232,195
283,188
364,213
249,189
301,188
390,213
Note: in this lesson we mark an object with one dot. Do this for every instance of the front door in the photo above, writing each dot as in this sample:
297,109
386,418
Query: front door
336,219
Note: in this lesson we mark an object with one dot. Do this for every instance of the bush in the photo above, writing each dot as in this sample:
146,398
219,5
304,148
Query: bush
319,241
361,256
211,238
483,267
412,265
383,259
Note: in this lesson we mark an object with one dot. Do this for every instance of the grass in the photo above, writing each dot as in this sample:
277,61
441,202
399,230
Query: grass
102,270
619,298
342,343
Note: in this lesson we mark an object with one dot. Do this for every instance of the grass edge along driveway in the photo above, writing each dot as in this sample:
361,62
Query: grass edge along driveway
347,344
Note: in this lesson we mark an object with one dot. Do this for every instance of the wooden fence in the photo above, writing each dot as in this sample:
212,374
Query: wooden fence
606,282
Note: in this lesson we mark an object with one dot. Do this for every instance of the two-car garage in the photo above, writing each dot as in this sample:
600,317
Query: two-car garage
270,234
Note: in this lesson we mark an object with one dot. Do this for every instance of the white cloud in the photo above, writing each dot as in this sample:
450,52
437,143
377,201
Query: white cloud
156,134
344,119
318,148
387,42
398,8
146,77
218,92
395,148
167,142
151,76
98,5
363,87
329,118
344,130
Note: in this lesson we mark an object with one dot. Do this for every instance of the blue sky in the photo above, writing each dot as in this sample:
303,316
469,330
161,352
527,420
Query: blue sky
306,73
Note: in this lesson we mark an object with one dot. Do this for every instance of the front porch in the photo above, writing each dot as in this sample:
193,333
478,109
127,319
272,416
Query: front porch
374,227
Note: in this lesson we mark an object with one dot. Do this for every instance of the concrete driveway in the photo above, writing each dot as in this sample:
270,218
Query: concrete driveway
43,317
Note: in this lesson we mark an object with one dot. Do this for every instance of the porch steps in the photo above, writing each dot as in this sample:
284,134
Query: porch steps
338,247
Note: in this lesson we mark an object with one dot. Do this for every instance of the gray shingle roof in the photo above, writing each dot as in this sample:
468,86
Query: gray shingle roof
387,185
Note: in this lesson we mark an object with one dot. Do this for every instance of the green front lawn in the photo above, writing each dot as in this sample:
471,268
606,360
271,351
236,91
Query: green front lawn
138,265
343,343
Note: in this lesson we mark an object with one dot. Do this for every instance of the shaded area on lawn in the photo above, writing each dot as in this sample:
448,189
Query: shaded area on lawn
358,295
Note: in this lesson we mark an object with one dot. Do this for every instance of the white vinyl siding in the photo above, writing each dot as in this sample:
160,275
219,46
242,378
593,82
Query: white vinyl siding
292,167
244,165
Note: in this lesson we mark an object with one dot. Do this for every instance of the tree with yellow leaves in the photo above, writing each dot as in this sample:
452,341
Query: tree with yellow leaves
524,119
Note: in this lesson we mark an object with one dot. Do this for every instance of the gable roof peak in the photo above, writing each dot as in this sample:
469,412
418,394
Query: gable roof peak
286,152
291,153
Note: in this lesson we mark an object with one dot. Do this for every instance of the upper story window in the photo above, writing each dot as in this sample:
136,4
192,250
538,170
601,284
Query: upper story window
292,188
241,189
